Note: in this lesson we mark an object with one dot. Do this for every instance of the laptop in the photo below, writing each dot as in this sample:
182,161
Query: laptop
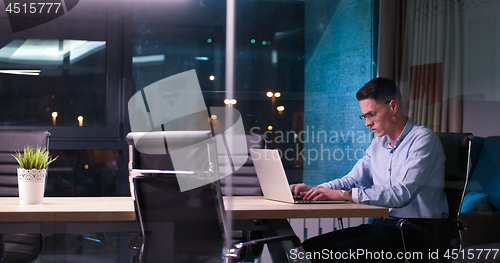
273,180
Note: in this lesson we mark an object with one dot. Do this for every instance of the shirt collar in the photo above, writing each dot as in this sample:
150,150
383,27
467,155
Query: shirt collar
408,126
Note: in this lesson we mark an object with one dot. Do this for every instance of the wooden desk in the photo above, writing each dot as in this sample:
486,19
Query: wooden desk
68,215
77,214
116,214
246,208
256,207
93,209
68,209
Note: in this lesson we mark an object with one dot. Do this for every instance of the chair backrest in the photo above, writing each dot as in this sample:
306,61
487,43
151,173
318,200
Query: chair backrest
244,181
176,223
486,174
141,160
12,140
194,151
456,148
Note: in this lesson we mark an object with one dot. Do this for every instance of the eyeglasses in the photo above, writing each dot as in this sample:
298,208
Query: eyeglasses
370,116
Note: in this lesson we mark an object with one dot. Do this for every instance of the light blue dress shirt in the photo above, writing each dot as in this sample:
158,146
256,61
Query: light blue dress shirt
407,178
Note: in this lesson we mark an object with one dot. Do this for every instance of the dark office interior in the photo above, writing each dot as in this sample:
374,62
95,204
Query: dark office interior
298,65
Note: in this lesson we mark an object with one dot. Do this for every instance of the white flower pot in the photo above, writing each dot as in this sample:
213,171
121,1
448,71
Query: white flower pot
31,184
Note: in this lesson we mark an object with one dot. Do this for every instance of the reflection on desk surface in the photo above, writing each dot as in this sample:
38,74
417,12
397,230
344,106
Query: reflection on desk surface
71,209
256,207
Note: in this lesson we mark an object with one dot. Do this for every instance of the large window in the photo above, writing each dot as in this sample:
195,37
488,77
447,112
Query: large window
52,82
62,75
297,67
173,37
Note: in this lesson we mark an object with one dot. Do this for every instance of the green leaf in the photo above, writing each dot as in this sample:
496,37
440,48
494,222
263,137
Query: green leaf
33,158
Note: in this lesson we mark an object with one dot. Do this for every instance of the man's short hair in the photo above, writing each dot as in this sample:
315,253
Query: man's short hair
381,90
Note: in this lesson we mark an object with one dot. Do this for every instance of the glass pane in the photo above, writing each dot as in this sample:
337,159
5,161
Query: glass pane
55,73
171,37
83,173
340,39
269,76
87,247
298,65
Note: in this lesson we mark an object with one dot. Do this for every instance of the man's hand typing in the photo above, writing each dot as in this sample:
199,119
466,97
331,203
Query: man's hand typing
299,188
320,193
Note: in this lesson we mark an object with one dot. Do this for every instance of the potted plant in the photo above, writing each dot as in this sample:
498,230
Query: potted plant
31,173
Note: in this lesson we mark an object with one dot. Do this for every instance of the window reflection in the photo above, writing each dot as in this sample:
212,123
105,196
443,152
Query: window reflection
169,38
59,66
45,52
39,77
83,173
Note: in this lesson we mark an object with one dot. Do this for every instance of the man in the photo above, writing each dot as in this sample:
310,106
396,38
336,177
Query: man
403,169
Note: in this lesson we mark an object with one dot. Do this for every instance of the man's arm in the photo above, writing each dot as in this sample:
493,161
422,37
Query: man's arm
359,175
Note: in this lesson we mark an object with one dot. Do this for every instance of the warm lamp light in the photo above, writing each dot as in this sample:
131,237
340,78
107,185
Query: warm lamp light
269,127
54,116
280,108
80,121
230,101
270,94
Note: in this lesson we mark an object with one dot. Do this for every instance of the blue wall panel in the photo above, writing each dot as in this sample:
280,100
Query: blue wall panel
339,55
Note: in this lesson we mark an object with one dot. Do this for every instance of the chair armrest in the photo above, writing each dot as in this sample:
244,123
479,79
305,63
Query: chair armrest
442,233
235,251
135,243
455,224
482,228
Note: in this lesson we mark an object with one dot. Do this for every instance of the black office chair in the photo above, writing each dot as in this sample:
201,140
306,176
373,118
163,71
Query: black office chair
18,247
181,225
175,225
445,233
